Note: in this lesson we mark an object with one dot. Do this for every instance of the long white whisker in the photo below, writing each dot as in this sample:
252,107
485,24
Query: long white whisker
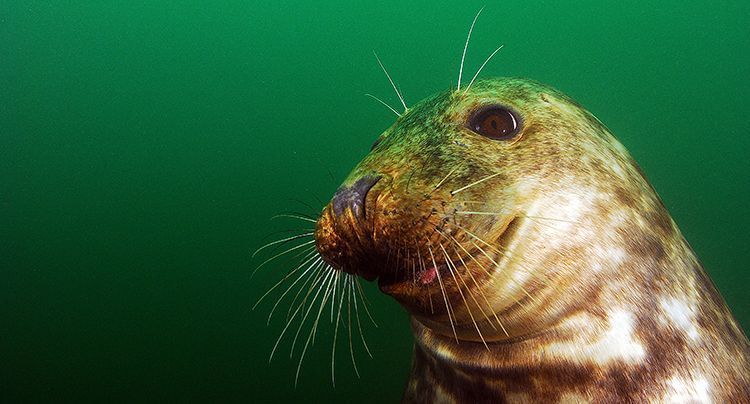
445,297
384,103
505,212
348,285
326,285
279,255
319,271
333,296
444,179
364,302
468,308
281,241
482,67
398,93
314,327
336,333
315,267
289,322
489,306
300,217
309,257
466,46
475,183
359,323
458,254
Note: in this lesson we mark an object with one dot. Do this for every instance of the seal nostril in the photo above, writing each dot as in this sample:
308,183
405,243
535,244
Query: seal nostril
353,197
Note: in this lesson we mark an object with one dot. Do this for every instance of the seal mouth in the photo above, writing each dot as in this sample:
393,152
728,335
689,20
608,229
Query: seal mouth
417,276
438,269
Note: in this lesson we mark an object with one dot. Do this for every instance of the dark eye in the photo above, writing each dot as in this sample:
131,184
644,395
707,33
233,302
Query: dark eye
494,122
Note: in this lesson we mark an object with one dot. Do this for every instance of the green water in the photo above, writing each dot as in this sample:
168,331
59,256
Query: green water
144,147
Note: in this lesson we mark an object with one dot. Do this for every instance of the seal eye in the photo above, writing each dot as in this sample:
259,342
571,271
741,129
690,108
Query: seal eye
494,122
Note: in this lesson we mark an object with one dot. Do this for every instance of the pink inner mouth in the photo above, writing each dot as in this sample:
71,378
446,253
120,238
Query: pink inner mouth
428,275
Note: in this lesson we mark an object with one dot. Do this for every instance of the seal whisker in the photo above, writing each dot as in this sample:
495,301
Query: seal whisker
356,311
499,250
319,271
384,103
309,257
489,258
364,302
429,290
461,293
315,267
481,291
398,93
323,286
445,296
482,67
294,216
511,279
348,286
476,284
484,268
466,46
479,181
336,330
444,179
284,240
468,212
314,326
333,298
280,254
289,321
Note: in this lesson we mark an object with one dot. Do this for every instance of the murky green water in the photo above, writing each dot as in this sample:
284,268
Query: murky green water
144,146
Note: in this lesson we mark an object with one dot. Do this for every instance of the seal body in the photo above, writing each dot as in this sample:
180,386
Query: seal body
538,266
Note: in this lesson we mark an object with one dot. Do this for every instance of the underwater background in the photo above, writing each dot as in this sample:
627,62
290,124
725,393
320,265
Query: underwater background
145,146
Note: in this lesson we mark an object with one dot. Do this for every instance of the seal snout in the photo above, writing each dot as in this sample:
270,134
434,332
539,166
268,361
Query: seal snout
343,232
353,197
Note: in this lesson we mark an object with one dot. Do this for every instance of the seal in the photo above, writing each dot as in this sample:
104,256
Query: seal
536,261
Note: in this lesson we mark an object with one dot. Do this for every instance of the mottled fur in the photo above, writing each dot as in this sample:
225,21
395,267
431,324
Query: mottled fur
565,278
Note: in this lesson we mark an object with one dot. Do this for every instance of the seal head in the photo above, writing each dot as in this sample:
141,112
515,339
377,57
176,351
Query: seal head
436,208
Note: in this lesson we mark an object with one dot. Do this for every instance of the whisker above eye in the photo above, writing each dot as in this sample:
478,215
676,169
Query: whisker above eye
384,103
482,67
466,46
398,93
